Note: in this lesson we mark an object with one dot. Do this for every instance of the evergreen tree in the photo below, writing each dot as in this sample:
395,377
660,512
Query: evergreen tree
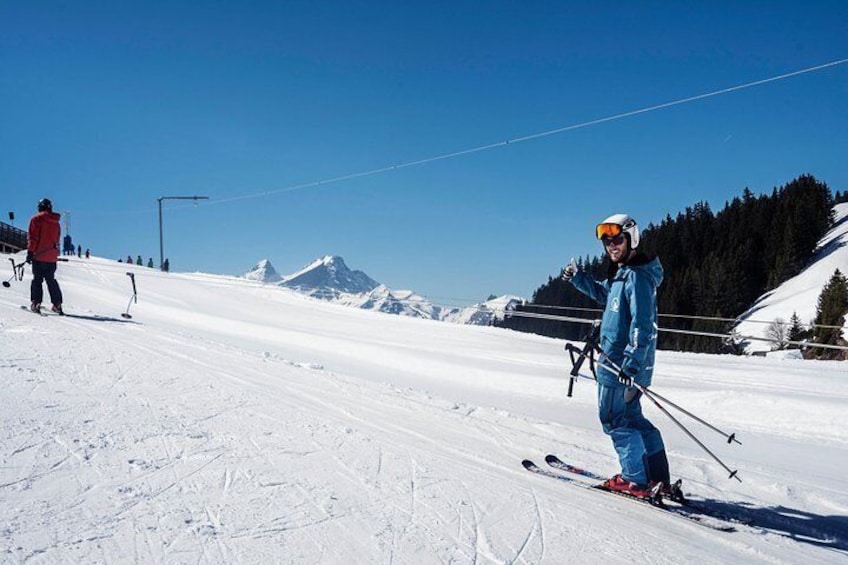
830,311
797,332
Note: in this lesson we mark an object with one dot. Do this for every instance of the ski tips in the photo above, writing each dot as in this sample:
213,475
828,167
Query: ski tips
527,464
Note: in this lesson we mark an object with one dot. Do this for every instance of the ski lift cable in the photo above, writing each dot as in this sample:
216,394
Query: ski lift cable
693,317
729,336
451,155
426,160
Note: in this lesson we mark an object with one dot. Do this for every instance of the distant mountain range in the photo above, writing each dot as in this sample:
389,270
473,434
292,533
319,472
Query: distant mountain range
329,278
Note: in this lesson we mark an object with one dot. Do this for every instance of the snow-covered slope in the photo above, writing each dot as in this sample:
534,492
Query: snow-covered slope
237,422
800,294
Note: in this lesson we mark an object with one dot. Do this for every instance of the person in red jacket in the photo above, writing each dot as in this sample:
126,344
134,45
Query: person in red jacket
43,252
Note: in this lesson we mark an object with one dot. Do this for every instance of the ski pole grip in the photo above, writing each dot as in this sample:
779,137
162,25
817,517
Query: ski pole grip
576,363
132,278
587,351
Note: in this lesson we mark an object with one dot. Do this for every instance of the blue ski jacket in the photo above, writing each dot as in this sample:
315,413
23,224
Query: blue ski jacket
629,323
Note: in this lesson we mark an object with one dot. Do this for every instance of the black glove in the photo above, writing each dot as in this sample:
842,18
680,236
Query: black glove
29,257
625,378
570,270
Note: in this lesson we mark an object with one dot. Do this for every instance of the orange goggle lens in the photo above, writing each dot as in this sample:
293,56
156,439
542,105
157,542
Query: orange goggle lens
607,230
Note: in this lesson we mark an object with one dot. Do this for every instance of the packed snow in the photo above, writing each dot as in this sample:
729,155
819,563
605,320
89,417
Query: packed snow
231,421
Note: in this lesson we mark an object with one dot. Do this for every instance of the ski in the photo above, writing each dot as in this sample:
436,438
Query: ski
93,317
46,312
39,312
676,496
557,463
678,511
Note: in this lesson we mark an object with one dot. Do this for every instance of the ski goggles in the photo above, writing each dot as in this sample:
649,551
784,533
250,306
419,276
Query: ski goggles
608,230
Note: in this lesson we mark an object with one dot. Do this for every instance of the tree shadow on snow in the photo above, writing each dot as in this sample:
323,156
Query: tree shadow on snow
822,531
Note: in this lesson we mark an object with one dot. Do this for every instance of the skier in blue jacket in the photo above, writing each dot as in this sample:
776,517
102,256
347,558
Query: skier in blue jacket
628,338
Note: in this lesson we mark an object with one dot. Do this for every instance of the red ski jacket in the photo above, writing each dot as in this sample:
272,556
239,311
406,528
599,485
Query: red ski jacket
43,237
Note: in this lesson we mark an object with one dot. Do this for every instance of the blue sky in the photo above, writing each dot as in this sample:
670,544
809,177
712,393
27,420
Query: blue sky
107,106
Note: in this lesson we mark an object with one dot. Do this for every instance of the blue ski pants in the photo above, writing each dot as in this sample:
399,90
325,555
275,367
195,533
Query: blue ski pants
635,439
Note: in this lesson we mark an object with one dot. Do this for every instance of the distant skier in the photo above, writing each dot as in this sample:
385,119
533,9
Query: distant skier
129,259
138,260
43,252
150,263
629,339
88,253
166,266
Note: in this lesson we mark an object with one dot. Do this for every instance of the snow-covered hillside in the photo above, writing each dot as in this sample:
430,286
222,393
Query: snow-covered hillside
236,422
800,294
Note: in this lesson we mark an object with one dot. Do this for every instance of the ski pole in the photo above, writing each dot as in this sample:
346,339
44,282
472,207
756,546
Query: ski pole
133,297
644,390
14,273
587,351
18,270
607,363
730,437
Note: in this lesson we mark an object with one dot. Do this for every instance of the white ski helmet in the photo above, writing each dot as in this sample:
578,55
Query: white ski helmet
626,224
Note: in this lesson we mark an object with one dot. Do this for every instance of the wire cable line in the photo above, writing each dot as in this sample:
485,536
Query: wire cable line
693,317
529,137
727,336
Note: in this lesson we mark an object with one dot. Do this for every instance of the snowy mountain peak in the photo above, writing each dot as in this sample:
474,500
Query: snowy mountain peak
263,271
330,274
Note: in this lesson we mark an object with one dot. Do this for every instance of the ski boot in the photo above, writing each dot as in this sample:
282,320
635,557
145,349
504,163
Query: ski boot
618,484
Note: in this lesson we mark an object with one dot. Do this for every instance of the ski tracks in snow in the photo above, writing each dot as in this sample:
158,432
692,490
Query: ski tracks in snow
156,465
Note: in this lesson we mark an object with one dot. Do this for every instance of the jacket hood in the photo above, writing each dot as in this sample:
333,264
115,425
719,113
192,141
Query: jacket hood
47,215
649,265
